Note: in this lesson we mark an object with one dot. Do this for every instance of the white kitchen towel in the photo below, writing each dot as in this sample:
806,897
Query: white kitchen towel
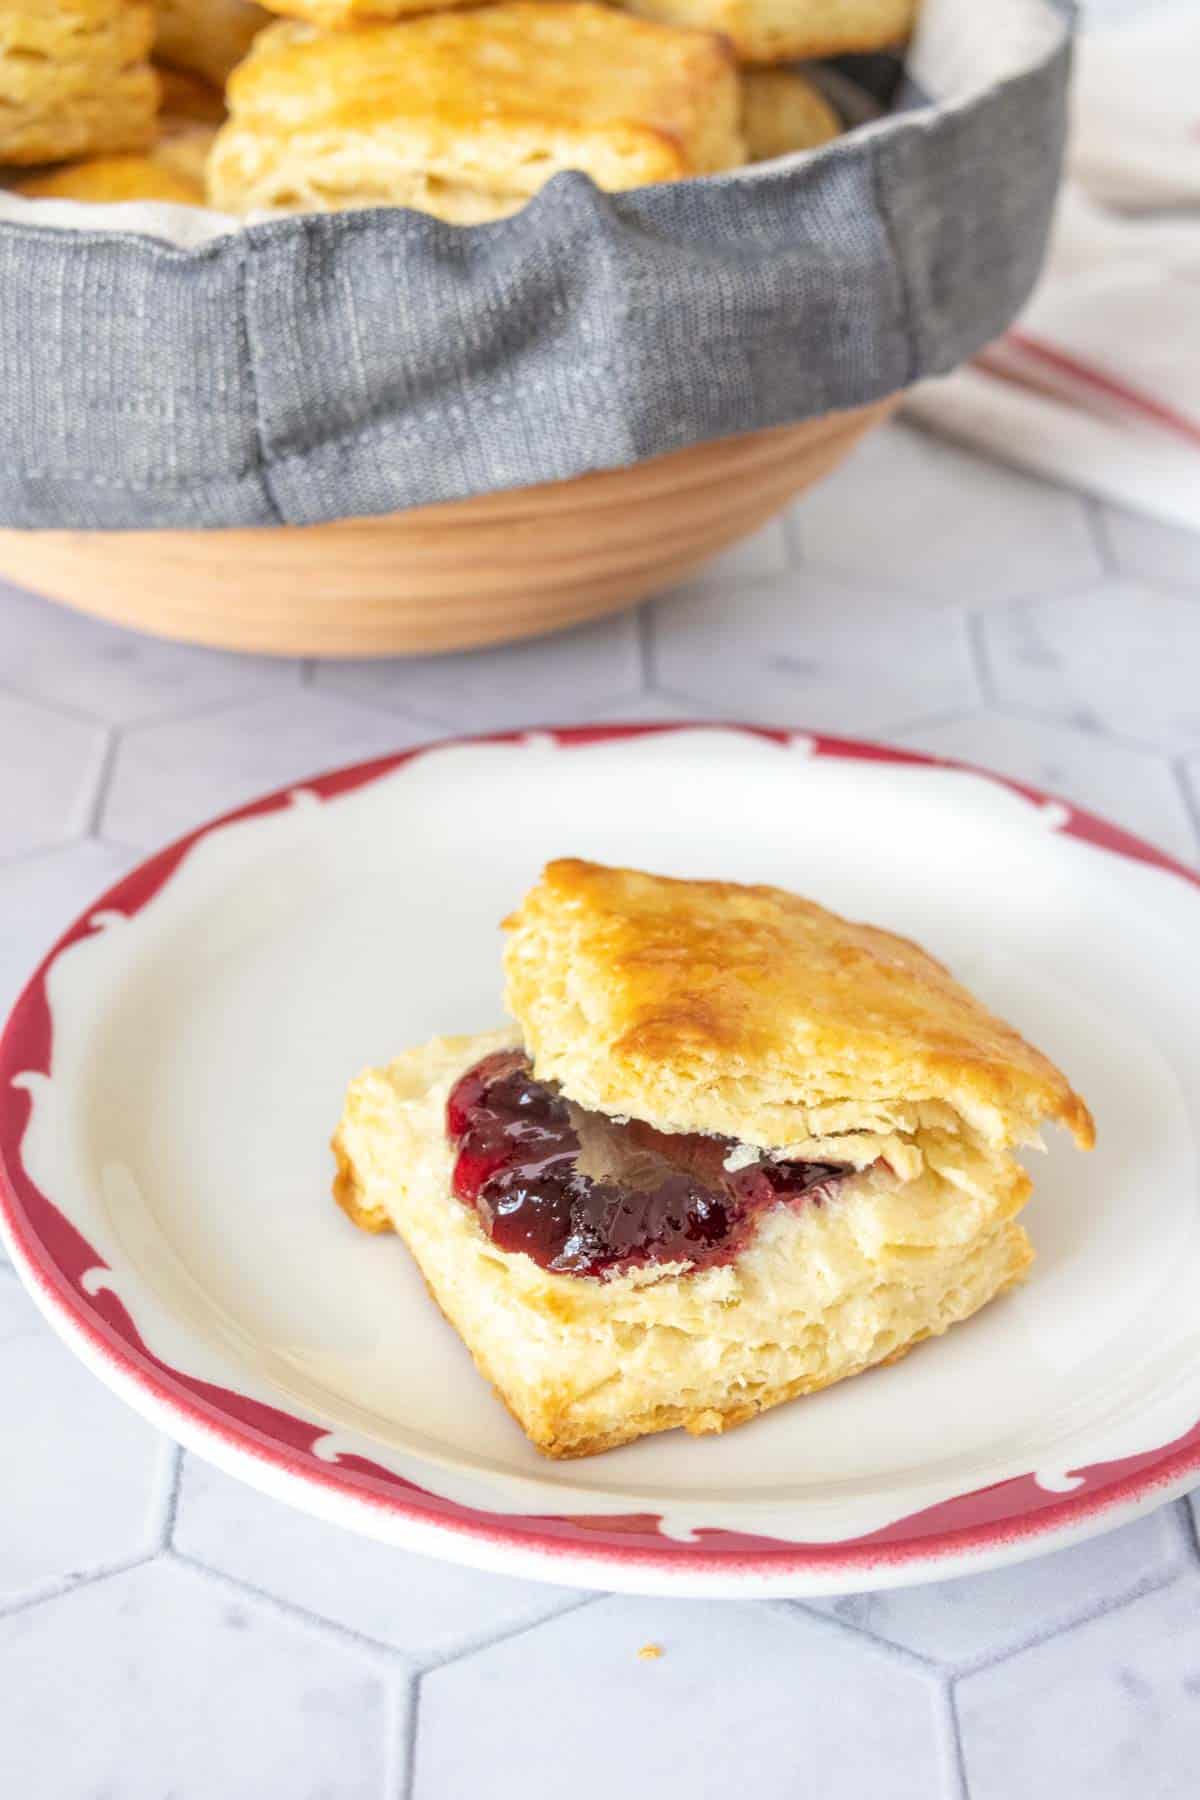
1098,384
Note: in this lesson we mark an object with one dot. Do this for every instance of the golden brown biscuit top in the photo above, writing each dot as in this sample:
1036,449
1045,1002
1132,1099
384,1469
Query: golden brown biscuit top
576,66
709,1005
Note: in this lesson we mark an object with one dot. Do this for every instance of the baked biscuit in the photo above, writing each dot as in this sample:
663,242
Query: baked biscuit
466,115
738,1149
769,31
818,1293
207,37
756,1015
75,79
107,179
783,111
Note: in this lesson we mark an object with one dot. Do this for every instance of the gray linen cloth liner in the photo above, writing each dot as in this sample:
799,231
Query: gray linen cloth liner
197,372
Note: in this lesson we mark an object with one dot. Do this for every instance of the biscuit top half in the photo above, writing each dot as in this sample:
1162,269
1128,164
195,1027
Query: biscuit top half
751,1013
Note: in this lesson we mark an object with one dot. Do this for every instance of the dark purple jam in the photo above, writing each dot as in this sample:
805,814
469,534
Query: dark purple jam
583,1195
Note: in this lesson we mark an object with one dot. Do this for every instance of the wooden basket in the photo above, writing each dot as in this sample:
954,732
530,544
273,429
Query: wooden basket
449,577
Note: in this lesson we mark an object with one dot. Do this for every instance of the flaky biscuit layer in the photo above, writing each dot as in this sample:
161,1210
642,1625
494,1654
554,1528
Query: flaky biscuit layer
819,1293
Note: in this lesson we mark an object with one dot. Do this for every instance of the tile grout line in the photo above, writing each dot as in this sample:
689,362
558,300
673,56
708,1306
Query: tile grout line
12,859
168,1481
104,775
1190,1527
934,601
1022,712
67,1585
1191,798
1186,587
207,709
859,1635
60,708
1109,1604
980,662
968,1666
645,647
149,721
492,1641
125,846
402,1745
957,1784
77,840
381,708
935,720
374,1650
703,712
1098,527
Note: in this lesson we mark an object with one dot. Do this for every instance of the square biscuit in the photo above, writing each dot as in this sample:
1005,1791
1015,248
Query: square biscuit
735,1149
820,1293
769,31
75,79
466,115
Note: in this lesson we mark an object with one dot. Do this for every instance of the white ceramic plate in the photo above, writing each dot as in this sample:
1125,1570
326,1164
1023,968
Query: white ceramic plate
170,1078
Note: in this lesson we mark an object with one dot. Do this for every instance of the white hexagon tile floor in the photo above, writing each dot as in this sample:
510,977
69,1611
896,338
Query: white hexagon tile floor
183,1636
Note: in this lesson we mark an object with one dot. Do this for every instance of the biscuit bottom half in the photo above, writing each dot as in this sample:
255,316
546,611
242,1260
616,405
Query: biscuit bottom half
817,1293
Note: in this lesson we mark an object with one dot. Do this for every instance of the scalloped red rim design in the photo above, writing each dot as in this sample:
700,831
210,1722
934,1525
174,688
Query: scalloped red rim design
56,1258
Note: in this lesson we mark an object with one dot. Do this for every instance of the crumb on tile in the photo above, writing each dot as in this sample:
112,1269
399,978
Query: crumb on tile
650,1652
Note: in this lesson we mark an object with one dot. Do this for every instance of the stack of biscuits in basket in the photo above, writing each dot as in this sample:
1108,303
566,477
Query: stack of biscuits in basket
461,110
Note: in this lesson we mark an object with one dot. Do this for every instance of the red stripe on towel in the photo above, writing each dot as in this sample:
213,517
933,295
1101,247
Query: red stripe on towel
1130,398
